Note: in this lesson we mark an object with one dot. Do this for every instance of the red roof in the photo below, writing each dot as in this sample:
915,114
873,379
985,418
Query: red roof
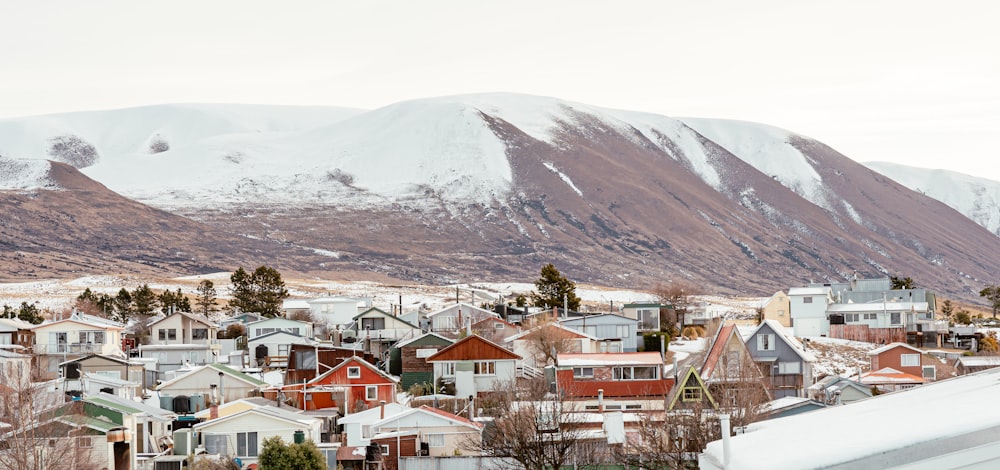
473,348
716,351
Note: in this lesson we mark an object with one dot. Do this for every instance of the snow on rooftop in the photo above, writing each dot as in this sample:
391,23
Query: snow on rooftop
868,429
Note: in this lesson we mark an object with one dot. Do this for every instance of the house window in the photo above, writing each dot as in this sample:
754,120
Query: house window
435,440
306,359
199,333
371,393
851,317
354,372
426,352
692,394
909,360
789,368
486,368
385,450
167,334
84,442
373,323
616,347
246,444
649,319
498,326
781,313
447,369
894,318
636,373
583,372
807,300
92,337
871,316
216,443
765,342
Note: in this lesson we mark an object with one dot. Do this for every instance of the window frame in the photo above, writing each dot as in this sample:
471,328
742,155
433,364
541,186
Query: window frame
909,360
243,440
689,394
371,392
485,368
765,342
580,373
435,440
354,372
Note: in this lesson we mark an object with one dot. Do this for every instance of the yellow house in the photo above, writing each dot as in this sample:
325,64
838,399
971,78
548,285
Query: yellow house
778,308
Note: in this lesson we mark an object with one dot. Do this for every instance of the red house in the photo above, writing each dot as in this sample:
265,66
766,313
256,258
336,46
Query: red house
351,386
899,356
630,374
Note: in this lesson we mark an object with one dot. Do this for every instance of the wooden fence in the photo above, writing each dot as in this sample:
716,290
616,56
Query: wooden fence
868,335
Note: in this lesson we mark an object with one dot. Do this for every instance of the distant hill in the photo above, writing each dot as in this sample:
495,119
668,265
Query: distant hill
492,186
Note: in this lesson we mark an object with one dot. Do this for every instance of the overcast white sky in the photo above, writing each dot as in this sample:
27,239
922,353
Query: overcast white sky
911,82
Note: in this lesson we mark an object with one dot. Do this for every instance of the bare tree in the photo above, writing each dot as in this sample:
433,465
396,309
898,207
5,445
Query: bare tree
547,340
533,428
36,435
678,295
671,440
741,390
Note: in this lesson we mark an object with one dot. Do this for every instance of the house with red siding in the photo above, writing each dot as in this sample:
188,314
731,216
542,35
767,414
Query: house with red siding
899,356
353,385
612,375
438,432
475,365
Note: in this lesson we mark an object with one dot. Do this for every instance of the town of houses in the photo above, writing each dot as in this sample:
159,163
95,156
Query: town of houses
380,388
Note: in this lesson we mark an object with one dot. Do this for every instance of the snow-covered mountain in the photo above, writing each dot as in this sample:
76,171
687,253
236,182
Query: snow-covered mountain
977,198
491,186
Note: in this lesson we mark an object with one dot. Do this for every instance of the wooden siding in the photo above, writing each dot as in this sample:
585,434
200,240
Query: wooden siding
407,448
867,334
587,388
473,348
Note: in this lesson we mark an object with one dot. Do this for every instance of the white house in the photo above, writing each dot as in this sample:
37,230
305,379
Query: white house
184,328
229,384
77,336
242,435
443,432
270,325
453,318
808,307
357,426
475,365
336,311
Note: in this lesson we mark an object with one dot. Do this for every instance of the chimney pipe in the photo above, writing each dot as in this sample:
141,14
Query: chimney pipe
472,407
724,422
381,406
222,396
600,400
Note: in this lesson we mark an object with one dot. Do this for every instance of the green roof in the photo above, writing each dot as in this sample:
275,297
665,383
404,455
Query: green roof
112,405
236,373
92,423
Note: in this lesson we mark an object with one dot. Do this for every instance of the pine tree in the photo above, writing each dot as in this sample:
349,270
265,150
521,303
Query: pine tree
174,302
205,298
992,293
261,292
144,300
122,303
554,290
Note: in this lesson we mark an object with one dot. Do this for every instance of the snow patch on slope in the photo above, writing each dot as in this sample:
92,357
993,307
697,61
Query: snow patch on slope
976,198
767,149
25,175
564,177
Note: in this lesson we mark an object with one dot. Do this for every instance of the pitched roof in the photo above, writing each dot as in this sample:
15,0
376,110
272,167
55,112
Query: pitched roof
219,367
682,383
877,351
888,375
412,340
193,316
718,347
568,330
782,333
473,347
429,410
282,414
345,363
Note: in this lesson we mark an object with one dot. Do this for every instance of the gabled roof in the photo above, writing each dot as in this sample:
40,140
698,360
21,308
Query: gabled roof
280,414
568,330
810,291
494,319
782,333
464,307
600,316
85,320
347,362
102,356
431,412
277,333
690,379
888,375
372,415
230,372
877,351
278,320
718,347
16,323
412,340
192,316
130,406
473,347
103,379
367,314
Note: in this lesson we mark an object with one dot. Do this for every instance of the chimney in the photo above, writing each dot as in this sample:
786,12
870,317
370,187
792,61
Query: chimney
222,396
213,412
724,422
600,400
472,407
381,407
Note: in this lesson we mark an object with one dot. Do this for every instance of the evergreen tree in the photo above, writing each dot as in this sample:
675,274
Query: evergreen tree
205,298
123,309
992,293
26,312
261,292
174,302
144,300
553,289
901,283
947,308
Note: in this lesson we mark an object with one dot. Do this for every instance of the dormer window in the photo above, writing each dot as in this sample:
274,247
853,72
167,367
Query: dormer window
354,372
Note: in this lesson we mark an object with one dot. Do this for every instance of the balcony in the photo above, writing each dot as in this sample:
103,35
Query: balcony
71,348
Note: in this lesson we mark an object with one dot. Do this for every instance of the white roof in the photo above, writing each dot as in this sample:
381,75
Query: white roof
872,433
880,350
295,304
372,415
979,361
808,291
878,307
792,342
608,359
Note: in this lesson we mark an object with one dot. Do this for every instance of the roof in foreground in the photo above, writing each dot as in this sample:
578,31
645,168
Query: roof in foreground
783,444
